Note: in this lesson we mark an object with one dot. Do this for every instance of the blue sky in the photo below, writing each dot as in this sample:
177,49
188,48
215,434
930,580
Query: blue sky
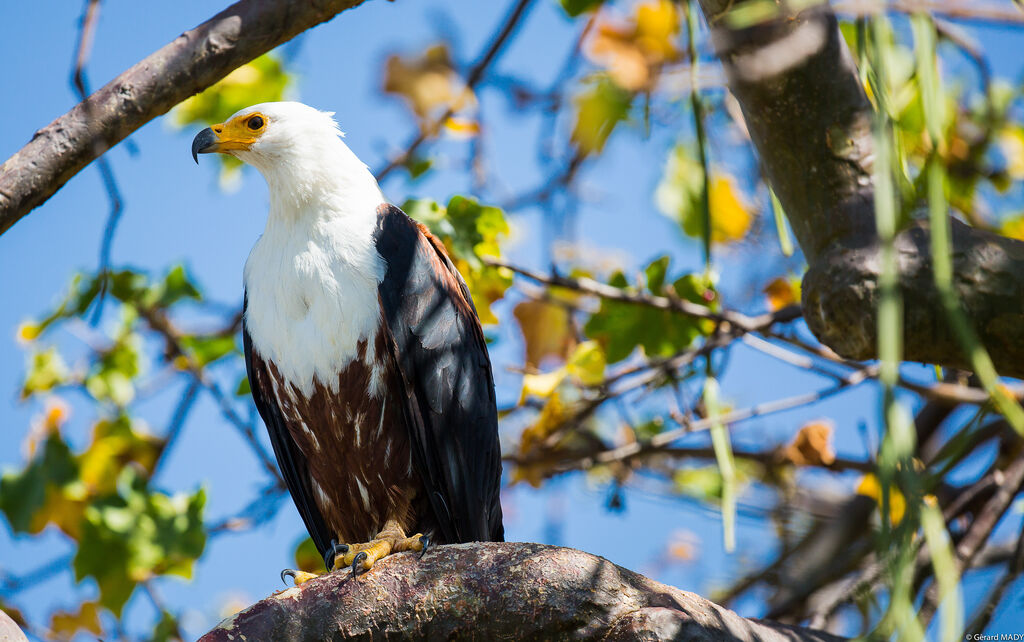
174,212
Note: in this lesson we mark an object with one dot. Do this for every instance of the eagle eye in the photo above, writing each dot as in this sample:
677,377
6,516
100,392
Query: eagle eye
255,123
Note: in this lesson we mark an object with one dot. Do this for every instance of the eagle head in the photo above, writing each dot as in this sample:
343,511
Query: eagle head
271,134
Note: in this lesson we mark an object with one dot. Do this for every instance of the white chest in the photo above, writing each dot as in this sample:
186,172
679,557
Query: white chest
312,297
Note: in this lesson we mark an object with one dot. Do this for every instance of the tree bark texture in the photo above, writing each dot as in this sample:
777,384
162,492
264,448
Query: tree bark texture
9,631
810,121
494,591
192,62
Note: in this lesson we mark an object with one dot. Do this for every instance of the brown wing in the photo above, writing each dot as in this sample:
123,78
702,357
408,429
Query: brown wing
443,359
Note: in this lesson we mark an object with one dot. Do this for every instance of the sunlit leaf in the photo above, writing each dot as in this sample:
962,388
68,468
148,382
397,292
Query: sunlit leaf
116,443
576,7
1013,227
243,389
601,107
620,327
24,494
679,193
470,231
136,534
45,371
429,84
587,363
307,558
542,385
65,624
782,291
547,331
812,445
870,487
207,349
634,50
111,377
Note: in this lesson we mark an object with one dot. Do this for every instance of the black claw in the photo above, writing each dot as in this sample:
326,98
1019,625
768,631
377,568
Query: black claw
425,540
335,550
360,556
287,573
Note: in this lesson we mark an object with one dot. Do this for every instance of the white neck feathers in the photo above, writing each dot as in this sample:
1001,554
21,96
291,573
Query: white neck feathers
312,278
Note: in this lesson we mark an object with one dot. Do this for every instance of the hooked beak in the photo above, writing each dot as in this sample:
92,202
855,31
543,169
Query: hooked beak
205,142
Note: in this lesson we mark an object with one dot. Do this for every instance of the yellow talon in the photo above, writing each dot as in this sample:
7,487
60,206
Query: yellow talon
298,577
390,540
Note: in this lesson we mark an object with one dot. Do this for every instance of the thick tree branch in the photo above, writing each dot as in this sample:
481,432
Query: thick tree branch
494,591
811,123
189,64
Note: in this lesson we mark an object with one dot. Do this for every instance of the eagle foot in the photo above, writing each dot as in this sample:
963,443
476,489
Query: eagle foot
362,557
298,577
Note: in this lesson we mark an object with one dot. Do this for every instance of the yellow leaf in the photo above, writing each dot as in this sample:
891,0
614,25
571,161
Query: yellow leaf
870,487
27,332
1014,228
598,111
730,217
634,50
63,507
1011,143
546,331
781,292
462,127
812,445
587,363
64,624
542,385
428,83
552,416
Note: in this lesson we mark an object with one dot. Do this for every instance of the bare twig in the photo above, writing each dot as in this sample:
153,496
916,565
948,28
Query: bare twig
476,72
1010,483
177,421
1002,13
80,83
159,322
190,63
605,291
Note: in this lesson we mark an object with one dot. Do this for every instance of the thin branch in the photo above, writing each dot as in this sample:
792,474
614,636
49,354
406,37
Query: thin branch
177,422
159,322
476,72
190,63
1001,13
80,83
1010,483
605,291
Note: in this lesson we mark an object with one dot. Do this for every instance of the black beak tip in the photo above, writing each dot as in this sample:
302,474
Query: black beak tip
202,143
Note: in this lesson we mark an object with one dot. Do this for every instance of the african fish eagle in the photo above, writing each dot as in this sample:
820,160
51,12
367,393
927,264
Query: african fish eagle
364,352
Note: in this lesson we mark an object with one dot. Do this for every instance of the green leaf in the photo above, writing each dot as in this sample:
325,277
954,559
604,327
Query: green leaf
307,558
418,166
621,327
24,493
177,285
136,534
576,7
469,231
243,389
209,348
112,376
598,110
46,371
